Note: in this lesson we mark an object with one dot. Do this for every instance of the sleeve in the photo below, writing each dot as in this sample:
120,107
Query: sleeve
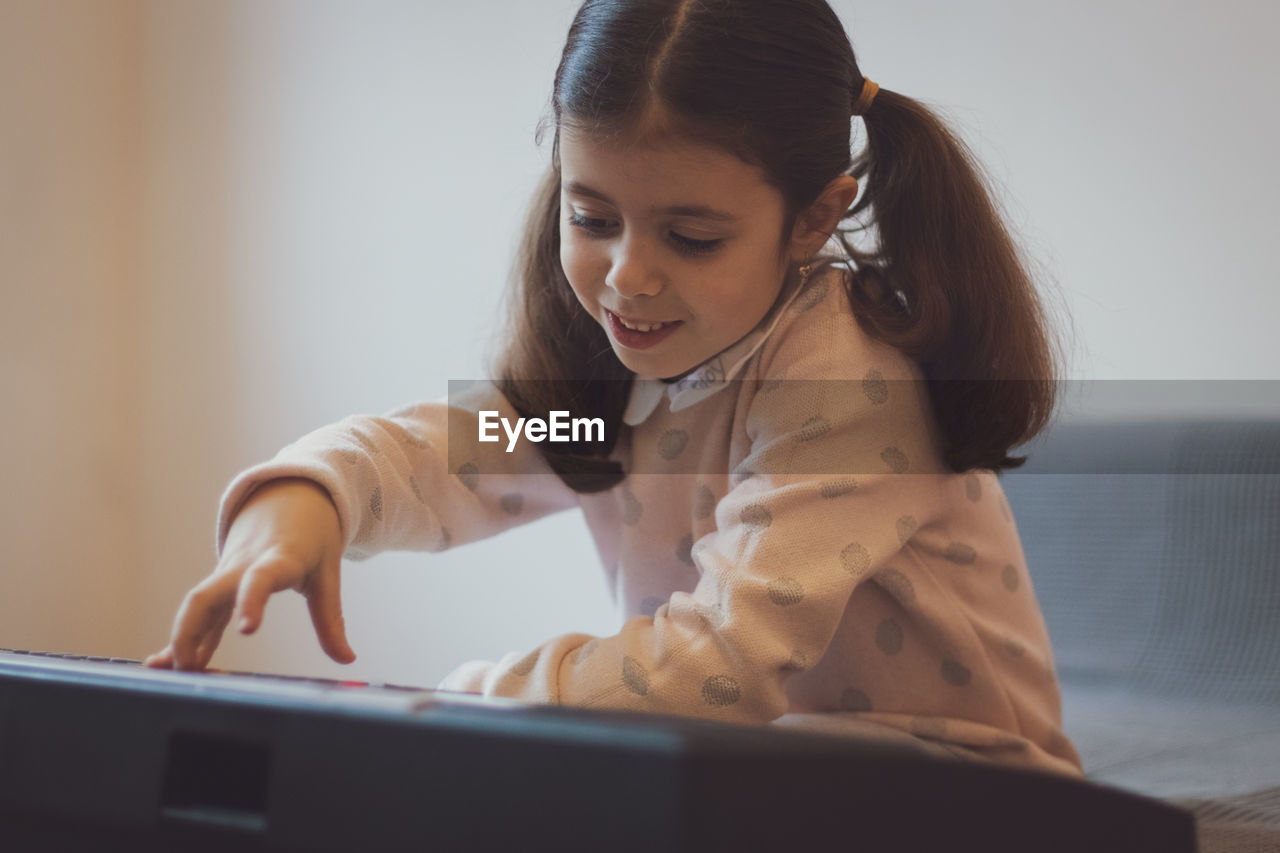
418,478
838,472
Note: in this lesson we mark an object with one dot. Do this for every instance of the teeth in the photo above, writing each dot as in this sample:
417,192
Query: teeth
641,327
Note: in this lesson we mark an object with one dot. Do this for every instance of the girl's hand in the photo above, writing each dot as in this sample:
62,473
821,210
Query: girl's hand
286,536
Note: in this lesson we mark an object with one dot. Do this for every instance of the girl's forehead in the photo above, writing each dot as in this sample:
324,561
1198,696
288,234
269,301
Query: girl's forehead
658,164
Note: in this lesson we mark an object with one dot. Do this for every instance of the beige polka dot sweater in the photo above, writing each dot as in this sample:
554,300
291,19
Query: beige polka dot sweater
787,546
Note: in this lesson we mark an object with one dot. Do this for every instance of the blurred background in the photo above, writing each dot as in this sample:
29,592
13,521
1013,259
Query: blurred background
225,223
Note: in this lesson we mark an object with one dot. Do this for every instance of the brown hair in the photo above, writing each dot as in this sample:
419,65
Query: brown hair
774,82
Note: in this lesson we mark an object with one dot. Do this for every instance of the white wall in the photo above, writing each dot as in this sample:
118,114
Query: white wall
1134,143
283,212
69,324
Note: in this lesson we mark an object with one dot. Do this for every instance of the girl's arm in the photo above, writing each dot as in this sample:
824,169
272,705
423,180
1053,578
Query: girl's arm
418,478
415,479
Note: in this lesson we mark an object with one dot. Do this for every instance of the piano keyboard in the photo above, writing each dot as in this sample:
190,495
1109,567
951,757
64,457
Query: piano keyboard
123,673
106,754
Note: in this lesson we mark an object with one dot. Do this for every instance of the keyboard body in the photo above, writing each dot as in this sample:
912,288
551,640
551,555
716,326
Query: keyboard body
101,754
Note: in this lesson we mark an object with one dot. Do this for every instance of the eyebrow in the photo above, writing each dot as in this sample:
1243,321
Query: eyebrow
699,211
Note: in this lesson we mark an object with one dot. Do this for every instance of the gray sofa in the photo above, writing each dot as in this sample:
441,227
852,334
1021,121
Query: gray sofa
1154,548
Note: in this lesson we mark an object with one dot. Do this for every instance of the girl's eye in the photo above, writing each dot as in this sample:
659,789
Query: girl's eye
690,246
684,245
593,226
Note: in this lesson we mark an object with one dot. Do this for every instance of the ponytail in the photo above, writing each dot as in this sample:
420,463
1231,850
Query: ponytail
945,284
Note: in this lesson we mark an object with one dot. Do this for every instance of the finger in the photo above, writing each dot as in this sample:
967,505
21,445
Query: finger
202,616
209,643
265,577
324,600
162,659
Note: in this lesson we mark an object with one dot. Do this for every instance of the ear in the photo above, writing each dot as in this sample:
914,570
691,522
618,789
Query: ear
815,225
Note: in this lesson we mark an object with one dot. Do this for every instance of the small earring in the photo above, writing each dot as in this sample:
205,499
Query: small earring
805,271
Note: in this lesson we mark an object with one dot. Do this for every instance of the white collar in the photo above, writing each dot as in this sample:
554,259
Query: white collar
709,377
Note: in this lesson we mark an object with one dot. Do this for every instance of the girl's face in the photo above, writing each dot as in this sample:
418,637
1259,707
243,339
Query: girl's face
674,248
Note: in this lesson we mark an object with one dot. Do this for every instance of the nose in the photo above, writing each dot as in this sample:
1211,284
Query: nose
633,271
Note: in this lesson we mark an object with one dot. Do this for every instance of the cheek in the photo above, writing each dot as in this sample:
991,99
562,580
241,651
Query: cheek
576,261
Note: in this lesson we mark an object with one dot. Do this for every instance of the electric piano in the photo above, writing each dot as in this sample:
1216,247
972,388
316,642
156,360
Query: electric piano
105,754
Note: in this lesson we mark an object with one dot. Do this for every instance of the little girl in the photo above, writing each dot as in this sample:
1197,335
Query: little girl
793,491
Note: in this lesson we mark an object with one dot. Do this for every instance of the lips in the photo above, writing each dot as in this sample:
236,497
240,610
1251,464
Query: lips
640,334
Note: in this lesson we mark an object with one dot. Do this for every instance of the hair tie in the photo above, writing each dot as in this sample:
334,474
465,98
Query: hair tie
866,96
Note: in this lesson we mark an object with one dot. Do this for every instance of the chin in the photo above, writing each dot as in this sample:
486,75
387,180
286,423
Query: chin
651,368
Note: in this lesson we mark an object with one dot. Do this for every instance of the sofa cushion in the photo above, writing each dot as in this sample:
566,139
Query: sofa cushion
1154,549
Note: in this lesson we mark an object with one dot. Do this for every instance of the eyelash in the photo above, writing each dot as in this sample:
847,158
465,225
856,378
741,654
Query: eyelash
684,245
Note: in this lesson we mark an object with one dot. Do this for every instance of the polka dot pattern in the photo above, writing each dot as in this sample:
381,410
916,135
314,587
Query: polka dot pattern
798,662
375,503
955,673
632,509
855,558
634,676
973,488
785,592
853,699
672,443
812,429
812,296
1009,577
704,503
874,386
782,570
720,691
367,443
838,488
469,475
896,460
756,516
889,637
526,664
684,549
960,554
898,585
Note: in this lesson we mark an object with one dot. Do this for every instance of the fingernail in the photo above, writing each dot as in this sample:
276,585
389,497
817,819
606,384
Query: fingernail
244,625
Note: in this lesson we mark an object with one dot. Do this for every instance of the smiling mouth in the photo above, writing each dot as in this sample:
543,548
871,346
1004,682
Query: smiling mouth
641,325
640,334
